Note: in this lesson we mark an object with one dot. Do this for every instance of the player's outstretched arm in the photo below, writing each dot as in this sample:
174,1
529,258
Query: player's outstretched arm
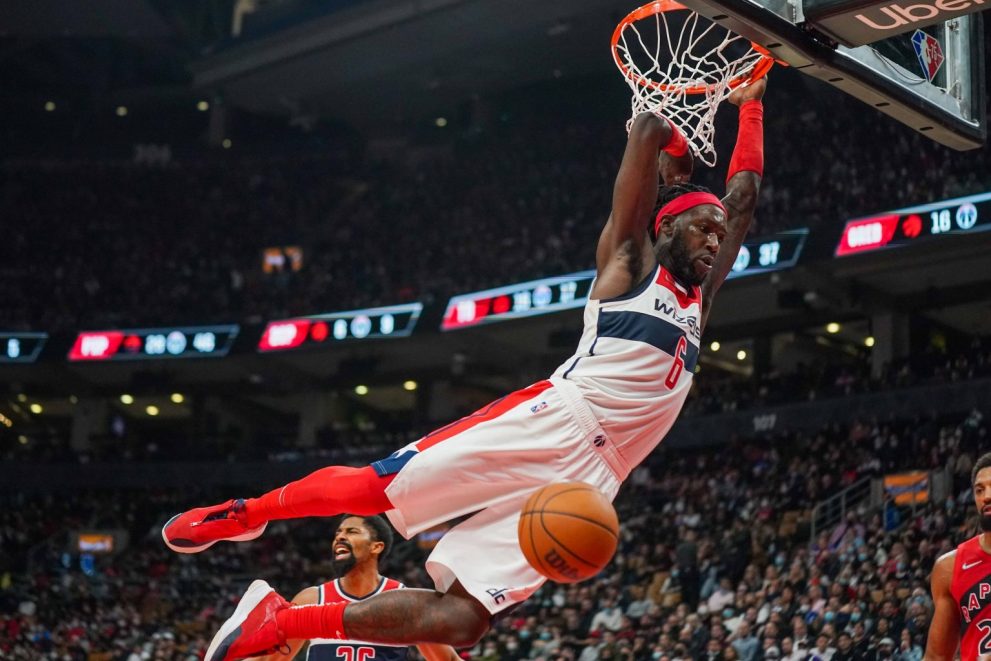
623,256
944,630
742,185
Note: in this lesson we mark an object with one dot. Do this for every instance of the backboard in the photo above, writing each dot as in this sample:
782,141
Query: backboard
931,79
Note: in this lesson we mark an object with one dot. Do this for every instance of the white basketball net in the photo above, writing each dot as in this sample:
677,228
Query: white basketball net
697,54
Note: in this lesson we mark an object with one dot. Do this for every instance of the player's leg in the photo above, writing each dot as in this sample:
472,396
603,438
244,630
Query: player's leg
510,447
264,621
397,617
327,492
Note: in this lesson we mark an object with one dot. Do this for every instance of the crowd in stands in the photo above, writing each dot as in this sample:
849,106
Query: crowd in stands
717,560
96,244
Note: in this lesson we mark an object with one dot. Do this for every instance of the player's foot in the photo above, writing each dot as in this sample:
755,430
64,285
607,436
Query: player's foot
252,629
201,528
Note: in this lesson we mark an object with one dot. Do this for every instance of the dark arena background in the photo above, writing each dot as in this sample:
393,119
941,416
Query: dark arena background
245,239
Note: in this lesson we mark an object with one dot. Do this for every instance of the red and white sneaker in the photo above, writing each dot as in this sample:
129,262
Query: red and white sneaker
252,630
201,528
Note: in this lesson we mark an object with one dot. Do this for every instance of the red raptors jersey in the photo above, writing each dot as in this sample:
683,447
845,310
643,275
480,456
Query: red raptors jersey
352,650
971,588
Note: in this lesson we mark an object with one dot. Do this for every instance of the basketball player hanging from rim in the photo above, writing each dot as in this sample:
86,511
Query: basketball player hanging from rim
660,260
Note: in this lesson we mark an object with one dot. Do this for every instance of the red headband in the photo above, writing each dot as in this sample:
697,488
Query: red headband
683,203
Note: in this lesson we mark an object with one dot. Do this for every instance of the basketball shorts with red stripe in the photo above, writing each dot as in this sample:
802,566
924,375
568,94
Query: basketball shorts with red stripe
486,465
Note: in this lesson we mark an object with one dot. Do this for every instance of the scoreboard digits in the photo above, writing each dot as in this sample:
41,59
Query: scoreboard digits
906,226
154,343
316,330
21,347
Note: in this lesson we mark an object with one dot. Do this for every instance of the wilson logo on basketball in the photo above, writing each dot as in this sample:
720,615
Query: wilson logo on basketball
560,565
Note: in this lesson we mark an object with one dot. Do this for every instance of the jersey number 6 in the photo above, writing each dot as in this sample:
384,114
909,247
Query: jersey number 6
679,363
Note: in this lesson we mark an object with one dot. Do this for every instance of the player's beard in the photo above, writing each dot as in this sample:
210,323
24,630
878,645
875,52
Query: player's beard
986,522
682,261
343,566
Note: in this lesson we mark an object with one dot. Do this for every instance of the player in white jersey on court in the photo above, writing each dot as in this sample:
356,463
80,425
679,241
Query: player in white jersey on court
660,259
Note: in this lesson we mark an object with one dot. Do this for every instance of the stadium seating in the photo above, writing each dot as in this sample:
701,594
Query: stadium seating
114,243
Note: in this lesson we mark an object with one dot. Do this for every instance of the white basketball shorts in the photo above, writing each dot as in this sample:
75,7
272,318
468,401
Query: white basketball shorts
489,463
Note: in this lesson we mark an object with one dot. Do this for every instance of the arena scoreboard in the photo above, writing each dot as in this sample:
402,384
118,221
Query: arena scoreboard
525,299
563,292
769,253
21,347
322,329
964,215
154,343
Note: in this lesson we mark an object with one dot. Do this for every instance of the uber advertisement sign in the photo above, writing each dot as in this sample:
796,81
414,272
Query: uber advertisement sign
858,22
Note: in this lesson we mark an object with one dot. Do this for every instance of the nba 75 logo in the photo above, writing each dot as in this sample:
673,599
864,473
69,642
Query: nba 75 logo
929,52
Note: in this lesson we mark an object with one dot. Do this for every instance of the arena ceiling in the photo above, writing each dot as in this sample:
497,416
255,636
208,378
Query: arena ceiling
386,60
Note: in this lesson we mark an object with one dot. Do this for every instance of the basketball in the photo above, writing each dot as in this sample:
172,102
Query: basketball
568,531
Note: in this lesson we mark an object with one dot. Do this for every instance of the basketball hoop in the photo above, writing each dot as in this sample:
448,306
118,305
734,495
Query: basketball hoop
687,72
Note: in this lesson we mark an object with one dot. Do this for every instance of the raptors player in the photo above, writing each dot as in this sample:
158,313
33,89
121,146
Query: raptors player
360,542
660,260
961,585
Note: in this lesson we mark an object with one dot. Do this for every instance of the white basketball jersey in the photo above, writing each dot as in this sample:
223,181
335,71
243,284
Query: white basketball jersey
635,361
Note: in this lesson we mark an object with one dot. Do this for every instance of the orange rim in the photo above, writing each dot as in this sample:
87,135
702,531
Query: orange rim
758,71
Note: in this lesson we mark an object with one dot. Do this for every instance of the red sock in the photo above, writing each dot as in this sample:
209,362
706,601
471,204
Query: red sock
316,621
327,492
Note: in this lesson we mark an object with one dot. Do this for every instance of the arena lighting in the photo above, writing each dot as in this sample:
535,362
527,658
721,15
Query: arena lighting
23,440
226,143
409,385
151,410
177,398
832,328
126,399
121,111
36,409
441,122
49,106
361,390
22,398
73,399
203,106
741,355
715,346
868,341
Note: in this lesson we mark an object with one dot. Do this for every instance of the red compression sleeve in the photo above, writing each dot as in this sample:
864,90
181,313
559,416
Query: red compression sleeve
309,622
327,492
677,146
748,156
